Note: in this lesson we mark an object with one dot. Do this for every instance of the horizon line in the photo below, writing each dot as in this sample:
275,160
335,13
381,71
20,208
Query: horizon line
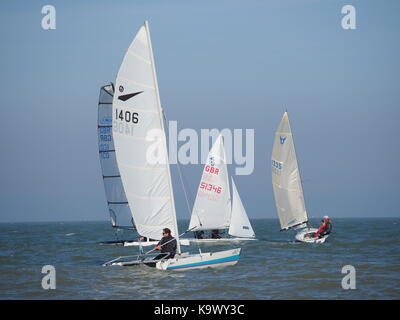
54,221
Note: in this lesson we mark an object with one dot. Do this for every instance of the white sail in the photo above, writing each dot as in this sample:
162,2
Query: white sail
240,225
212,207
286,180
140,142
118,207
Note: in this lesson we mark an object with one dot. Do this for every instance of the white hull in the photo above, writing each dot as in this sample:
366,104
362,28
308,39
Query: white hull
219,241
300,236
201,261
183,242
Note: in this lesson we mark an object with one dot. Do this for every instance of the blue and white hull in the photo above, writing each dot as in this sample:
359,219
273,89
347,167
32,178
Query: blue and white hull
200,261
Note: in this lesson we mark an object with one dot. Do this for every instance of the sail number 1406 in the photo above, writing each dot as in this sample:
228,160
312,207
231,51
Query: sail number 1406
126,116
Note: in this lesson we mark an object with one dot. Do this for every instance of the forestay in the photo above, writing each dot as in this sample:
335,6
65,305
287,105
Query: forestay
140,141
118,207
286,180
212,207
240,225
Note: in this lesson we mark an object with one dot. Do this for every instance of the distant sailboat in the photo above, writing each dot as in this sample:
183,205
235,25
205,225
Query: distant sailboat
141,153
286,182
213,209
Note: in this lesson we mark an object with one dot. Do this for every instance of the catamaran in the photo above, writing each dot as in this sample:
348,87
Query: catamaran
118,206
213,208
141,154
286,182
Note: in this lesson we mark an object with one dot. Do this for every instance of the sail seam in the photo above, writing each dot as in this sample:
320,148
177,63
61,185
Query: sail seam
135,109
137,83
139,168
138,56
136,138
147,197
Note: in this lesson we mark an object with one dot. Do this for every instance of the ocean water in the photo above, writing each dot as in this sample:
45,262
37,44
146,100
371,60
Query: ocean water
274,267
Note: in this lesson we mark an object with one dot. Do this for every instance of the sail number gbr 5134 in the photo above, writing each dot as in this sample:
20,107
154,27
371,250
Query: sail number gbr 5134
127,116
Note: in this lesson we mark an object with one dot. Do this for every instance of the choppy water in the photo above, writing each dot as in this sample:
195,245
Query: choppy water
274,267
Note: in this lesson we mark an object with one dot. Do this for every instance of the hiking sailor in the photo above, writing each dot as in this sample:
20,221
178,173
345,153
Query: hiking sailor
167,245
325,228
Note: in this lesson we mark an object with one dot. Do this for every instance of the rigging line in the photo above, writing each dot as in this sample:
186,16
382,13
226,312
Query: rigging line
124,227
181,176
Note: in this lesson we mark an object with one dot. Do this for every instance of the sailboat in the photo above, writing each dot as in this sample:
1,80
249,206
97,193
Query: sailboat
213,208
118,206
286,182
142,158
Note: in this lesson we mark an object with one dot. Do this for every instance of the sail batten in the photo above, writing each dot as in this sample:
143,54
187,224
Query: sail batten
286,180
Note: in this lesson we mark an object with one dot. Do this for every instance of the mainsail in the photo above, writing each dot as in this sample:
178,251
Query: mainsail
212,207
240,225
118,207
286,180
140,141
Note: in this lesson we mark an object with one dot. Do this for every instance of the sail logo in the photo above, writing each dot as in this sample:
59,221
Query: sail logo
212,161
126,97
282,139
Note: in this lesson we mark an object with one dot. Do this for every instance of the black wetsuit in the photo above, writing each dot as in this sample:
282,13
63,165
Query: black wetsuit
199,234
168,250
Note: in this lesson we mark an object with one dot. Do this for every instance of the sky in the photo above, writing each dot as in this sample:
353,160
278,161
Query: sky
220,64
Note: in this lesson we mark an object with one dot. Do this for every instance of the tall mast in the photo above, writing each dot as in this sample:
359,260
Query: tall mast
146,24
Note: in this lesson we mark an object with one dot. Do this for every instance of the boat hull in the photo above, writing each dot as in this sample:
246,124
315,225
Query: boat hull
183,242
219,241
302,236
201,261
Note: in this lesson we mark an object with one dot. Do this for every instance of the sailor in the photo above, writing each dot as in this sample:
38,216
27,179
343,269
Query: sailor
167,245
141,238
199,234
325,228
215,234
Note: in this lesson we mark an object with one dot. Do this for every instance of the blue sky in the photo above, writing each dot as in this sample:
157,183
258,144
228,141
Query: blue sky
220,64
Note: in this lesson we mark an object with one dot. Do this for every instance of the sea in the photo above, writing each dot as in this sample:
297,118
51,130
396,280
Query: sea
360,260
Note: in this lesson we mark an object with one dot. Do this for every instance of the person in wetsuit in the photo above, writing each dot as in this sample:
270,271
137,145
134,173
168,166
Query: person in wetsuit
325,228
215,234
198,234
167,245
141,238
